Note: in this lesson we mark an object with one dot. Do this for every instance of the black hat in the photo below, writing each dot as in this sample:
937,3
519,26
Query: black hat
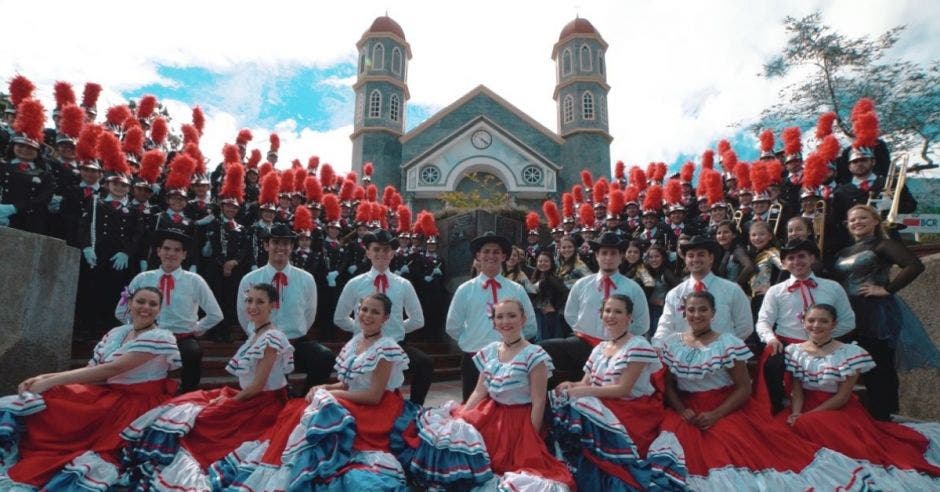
795,245
609,240
380,236
490,237
280,231
174,233
700,242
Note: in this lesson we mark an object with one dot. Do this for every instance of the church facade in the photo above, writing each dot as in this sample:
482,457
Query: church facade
481,141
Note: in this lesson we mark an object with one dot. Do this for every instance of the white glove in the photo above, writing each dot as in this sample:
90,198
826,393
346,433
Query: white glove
673,256
437,271
404,269
90,256
7,210
192,268
205,220
55,203
352,269
119,261
331,278
143,265
207,249
428,278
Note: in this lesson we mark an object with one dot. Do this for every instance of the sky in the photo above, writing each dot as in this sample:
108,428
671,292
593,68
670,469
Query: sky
683,74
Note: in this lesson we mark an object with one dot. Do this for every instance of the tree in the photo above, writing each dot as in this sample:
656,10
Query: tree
840,70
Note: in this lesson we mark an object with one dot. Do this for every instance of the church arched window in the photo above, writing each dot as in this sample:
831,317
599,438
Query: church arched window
600,61
375,104
566,61
394,107
396,61
378,57
567,109
586,62
587,106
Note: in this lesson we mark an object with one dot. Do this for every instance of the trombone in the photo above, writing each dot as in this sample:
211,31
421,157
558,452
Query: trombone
773,216
889,198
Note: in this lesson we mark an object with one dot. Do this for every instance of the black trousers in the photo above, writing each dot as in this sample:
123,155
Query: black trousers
568,355
191,355
225,291
420,367
774,370
881,382
469,374
313,359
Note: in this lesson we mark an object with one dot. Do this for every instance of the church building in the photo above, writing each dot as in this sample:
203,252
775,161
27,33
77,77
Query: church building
481,134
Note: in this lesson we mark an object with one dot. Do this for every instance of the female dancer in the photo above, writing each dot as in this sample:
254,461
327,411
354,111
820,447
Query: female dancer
824,411
73,419
616,408
497,430
731,444
171,446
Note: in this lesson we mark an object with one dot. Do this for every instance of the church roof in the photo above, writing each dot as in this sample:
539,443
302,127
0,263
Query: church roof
577,26
385,24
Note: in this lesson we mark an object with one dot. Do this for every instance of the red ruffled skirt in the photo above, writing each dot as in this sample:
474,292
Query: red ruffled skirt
79,418
222,427
851,431
642,417
513,443
374,422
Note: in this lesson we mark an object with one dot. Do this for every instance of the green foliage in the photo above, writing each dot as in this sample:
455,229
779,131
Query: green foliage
486,192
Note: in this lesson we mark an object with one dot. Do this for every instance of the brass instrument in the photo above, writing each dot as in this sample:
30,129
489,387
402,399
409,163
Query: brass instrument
894,181
897,189
773,216
819,223
738,217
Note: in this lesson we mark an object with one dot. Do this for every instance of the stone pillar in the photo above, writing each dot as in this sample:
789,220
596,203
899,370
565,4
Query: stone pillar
39,278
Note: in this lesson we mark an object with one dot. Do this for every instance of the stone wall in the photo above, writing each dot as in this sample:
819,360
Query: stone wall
39,275
920,389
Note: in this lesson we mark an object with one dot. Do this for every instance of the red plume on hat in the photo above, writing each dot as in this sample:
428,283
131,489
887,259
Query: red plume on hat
404,219
359,193
650,170
708,160
151,165
199,119
673,191
146,106
760,178
314,189
578,193
567,204
862,106
631,193
64,94
181,171
638,178
327,176
743,173
766,141
367,169
295,164
551,213
266,169
112,159
586,179
824,125
130,123
615,185
244,136
191,149
654,198
865,127
159,130
287,181
117,115
270,186
363,213
426,224
661,170
90,95
599,193
381,212
303,220
190,134
372,193
616,202
313,163
30,119
275,142
829,148
300,176
586,215
346,190
791,140
729,160
71,120
815,170
711,180
331,207
86,149
352,176
532,221
619,169
723,146
230,154
388,195
133,142
775,171
687,172
20,89
254,158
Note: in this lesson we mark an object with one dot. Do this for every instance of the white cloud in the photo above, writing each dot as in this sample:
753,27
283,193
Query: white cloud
681,72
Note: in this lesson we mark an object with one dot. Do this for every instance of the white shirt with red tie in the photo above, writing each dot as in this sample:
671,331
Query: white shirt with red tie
732,308
468,319
184,294
782,310
297,309
400,291
583,309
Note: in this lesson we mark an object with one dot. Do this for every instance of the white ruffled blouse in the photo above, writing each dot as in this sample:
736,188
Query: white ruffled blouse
606,371
826,372
356,370
508,382
245,362
156,341
703,369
